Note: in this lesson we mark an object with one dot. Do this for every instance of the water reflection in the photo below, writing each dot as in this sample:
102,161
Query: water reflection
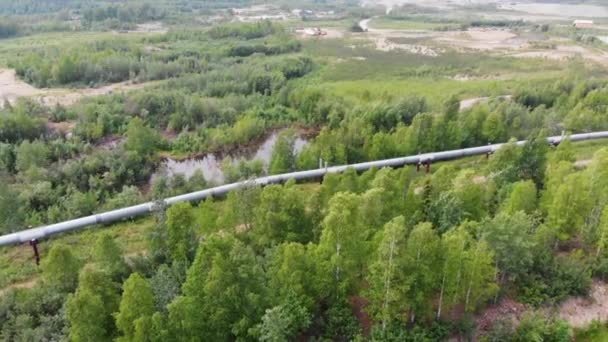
211,164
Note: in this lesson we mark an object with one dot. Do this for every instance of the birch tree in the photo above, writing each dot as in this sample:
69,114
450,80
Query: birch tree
387,278
453,245
342,247
422,253
480,275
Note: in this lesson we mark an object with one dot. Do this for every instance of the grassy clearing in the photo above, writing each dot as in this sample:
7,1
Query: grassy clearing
17,46
359,60
585,150
434,89
17,263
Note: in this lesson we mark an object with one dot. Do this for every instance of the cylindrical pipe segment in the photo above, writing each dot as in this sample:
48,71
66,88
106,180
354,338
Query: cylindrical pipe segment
145,208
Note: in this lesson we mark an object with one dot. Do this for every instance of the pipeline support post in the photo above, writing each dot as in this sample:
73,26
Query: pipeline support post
428,166
34,244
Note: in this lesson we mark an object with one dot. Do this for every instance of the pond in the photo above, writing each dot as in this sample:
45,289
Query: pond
211,163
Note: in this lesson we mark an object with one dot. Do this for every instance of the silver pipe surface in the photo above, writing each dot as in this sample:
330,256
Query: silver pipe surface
142,209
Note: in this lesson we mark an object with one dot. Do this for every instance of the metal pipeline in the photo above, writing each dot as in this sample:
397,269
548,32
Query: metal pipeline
142,209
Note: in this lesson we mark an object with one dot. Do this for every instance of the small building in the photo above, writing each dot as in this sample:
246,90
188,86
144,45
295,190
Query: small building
583,23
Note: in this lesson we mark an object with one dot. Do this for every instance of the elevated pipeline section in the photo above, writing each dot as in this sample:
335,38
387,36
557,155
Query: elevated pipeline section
146,208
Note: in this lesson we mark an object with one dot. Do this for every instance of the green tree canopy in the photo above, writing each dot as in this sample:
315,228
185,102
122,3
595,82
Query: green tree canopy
137,301
60,268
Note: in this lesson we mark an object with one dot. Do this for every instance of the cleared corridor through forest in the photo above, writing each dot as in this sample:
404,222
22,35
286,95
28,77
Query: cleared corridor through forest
145,208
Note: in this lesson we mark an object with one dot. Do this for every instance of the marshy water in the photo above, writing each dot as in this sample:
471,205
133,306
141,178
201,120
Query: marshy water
211,163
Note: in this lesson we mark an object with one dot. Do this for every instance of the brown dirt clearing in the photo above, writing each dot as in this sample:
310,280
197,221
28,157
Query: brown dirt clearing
13,88
581,311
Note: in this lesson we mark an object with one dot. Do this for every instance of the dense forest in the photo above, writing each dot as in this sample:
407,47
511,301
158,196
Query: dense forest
383,255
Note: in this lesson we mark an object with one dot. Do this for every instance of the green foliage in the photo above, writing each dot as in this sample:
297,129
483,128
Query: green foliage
181,240
19,124
89,310
166,284
510,236
292,261
400,332
31,155
137,302
523,197
60,268
283,322
141,139
8,28
552,279
570,205
224,293
281,216
107,256
283,155
84,310
342,248
537,328
533,327
340,322
387,278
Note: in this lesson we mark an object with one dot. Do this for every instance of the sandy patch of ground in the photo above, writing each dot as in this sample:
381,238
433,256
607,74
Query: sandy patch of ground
152,48
111,142
470,103
384,44
581,311
151,27
327,33
555,9
252,10
562,52
469,77
381,39
438,4
254,18
28,284
12,88
505,309
62,128
263,12
582,164
482,39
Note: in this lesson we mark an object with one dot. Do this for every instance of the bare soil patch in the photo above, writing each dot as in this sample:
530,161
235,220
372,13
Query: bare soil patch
62,128
581,311
12,88
28,284
482,39
390,40
505,309
562,52
470,103
151,27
